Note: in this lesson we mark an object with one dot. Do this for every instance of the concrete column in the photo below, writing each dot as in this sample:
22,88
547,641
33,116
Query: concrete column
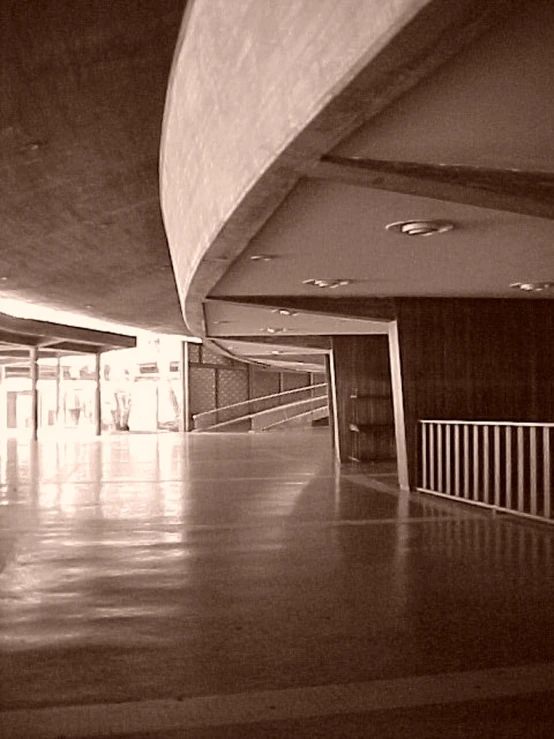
185,420
398,407
98,395
332,395
33,358
58,393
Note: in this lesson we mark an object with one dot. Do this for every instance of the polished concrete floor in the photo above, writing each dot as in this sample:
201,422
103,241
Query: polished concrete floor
242,585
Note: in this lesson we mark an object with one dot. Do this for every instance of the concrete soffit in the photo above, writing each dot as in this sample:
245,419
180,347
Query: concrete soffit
420,37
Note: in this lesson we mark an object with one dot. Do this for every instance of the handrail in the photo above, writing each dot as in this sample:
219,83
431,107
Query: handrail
209,418
316,403
502,465
262,397
306,414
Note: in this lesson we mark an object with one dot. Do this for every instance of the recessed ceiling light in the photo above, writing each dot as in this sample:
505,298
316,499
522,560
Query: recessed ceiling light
277,351
321,283
419,227
261,257
285,312
533,287
273,330
34,145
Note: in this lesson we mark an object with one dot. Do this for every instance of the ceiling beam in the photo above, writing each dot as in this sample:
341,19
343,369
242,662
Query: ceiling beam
17,339
304,340
367,308
528,193
286,356
33,333
76,347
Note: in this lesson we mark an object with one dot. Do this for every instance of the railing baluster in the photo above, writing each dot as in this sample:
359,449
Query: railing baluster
439,457
466,461
447,460
533,468
508,467
457,460
520,468
475,463
486,464
424,453
432,455
490,463
497,466
546,472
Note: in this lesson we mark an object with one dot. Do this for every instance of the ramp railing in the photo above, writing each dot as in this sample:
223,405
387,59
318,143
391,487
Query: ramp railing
249,408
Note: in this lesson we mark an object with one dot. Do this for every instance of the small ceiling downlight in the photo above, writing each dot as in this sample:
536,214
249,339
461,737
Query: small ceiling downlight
419,227
285,312
533,287
330,284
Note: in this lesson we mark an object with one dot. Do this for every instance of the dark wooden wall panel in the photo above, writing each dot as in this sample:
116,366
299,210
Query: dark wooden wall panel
475,360
362,367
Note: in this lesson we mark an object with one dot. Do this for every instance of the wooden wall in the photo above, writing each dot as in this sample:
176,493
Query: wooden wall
362,369
475,360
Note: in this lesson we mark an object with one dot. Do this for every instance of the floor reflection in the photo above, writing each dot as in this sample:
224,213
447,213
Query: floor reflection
171,564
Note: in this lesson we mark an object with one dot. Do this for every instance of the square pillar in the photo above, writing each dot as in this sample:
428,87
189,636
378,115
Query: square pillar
33,358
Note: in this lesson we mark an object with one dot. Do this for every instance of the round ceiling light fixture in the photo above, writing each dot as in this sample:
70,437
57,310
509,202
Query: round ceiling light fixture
285,312
533,287
330,284
420,227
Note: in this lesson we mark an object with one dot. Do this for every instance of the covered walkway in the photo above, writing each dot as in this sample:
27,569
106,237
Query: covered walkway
244,585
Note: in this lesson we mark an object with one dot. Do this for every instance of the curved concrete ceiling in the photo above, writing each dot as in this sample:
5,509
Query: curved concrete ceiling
83,89
274,122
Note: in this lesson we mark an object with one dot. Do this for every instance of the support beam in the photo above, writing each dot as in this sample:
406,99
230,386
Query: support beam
398,408
98,395
333,409
33,357
528,193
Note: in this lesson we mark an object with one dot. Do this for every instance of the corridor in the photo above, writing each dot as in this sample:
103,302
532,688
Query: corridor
243,585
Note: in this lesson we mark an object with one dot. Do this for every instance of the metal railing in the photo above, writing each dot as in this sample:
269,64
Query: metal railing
248,408
305,410
500,465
